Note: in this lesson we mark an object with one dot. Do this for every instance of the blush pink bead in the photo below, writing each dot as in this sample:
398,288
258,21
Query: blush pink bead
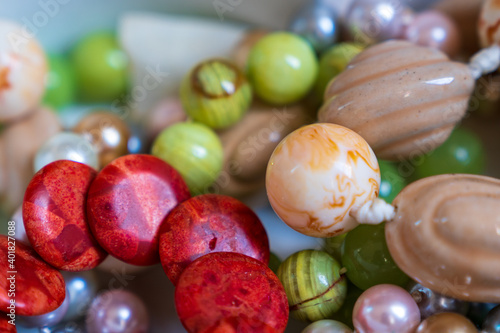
385,308
434,29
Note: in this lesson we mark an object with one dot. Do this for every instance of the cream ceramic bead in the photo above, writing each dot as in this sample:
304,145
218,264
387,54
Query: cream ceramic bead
318,176
23,68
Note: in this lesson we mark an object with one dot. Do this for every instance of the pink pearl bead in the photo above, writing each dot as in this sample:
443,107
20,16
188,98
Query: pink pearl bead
434,29
385,308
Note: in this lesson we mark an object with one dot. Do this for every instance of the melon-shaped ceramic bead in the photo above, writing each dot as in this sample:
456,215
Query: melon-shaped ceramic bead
489,23
403,99
54,216
127,202
38,288
445,235
23,68
318,175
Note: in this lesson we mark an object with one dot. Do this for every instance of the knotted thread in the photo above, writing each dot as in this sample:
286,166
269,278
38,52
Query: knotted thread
374,212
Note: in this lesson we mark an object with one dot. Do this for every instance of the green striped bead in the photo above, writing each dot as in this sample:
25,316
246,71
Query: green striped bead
194,150
216,93
314,286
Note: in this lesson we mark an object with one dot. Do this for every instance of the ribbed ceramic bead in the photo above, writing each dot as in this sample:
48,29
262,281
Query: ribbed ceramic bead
403,99
314,286
216,93
445,235
489,23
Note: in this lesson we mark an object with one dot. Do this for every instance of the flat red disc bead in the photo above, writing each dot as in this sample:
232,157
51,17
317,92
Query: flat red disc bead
38,287
230,292
210,223
54,214
5,326
127,202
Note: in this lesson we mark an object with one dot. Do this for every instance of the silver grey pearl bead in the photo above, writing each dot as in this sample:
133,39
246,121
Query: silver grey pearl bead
430,302
317,23
82,288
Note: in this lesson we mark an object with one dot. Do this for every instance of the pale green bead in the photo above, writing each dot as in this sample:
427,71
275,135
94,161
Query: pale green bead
282,68
194,150
327,326
216,94
314,286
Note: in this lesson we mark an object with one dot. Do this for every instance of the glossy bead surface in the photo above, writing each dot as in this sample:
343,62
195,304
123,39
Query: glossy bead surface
314,285
319,174
385,308
249,144
66,146
194,150
327,326
488,28
108,134
391,181
60,83
82,288
215,93
463,152
282,68
317,23
492,321
209,223
447,323
54,216
22,72
46,320
39,288
434,29
332,62
430,302
127,202
16,171
101,68
224,291
117,311
417,107
371,21
367,259
432,237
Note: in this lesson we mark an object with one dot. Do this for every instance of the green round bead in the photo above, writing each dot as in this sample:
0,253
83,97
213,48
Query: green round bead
101,68
274,262
367,259
332,246
60,89
216,94
333,62
391,182
194,150
463,152
327,325
282,68
313,284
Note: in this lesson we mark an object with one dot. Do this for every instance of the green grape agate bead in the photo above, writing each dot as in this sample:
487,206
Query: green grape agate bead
101,68
313,283
60,89
282,68
463,152
216,93
332,246
367,259
391,182
194,150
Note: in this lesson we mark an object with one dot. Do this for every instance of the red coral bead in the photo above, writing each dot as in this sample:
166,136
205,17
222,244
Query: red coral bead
55,219
127,202
230,292
5,326
37,288
210,223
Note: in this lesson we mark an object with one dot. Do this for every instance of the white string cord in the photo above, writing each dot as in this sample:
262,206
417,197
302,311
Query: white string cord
374,212
485,61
